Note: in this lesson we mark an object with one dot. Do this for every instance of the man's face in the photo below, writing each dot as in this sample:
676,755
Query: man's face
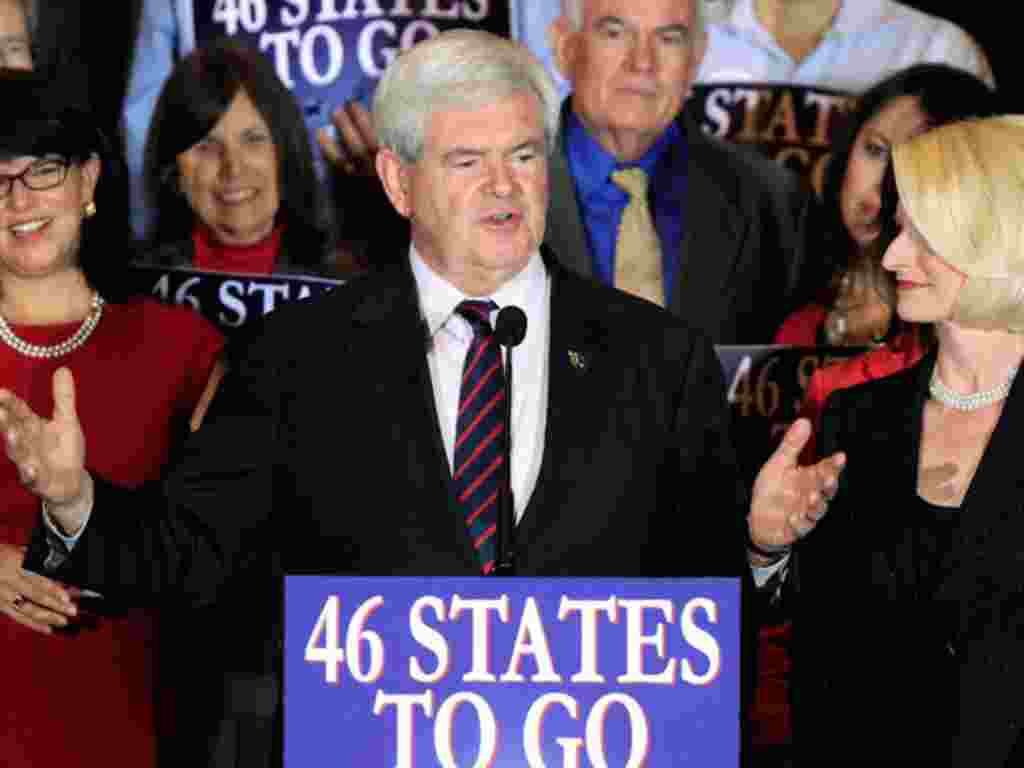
478,195
15,48
631,65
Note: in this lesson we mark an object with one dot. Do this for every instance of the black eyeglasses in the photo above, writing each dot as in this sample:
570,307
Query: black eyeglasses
42,174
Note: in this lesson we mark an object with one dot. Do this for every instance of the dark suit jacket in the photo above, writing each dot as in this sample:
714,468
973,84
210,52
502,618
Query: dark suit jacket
743,264
888,671
322,453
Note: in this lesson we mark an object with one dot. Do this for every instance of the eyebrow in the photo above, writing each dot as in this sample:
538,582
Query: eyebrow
681,28
478,152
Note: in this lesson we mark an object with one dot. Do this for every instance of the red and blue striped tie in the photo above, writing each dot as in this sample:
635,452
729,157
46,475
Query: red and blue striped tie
480,432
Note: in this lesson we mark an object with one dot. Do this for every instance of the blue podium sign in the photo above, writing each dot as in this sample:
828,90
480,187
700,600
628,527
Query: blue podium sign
496,673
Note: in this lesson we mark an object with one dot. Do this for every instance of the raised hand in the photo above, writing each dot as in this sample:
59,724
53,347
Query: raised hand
48,454
31,600
788,499
353,147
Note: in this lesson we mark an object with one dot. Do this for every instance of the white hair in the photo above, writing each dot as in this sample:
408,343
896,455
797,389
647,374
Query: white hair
573,11
458,68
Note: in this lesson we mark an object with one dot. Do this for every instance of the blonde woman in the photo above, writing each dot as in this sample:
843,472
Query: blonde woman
911,589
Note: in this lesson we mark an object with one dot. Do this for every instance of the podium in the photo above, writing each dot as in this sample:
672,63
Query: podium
402,672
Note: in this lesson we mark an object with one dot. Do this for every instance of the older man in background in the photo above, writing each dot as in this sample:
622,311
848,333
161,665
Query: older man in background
727,252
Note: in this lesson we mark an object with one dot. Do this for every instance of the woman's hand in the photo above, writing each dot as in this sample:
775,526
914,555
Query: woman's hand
33,601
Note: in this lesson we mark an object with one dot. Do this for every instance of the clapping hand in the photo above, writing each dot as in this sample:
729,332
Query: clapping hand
49,454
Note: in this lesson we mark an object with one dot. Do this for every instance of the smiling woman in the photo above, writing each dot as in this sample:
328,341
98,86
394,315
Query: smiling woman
921,544
140,368
229,170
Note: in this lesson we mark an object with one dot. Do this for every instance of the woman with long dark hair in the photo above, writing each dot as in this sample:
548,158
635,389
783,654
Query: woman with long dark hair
229,170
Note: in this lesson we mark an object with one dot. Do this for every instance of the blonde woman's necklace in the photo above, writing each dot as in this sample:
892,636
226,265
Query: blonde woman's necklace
973,401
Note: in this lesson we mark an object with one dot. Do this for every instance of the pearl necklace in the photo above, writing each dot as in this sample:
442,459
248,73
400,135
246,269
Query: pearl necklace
70,344
973,401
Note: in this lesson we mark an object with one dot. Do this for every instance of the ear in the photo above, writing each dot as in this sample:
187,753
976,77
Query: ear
564,43
698,53
90,170
394,176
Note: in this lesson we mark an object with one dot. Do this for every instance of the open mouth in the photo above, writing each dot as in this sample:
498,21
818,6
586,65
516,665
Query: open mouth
502,219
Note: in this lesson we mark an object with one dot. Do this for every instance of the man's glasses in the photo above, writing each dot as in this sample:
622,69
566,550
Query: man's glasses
42,174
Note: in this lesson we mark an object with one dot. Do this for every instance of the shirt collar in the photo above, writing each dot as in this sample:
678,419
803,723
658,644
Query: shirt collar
853,16
592,164
439,298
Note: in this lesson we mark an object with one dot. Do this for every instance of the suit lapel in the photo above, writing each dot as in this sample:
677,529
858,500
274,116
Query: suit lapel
714,233
575,359
565,232
391,320
904,449
989,524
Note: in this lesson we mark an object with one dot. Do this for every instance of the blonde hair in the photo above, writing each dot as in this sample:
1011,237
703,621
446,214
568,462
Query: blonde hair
962,185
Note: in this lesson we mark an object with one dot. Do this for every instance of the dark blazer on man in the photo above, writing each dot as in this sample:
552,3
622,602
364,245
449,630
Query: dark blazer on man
743,262
896,664
322,453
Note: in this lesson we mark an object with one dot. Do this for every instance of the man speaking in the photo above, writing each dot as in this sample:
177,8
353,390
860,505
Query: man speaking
356,433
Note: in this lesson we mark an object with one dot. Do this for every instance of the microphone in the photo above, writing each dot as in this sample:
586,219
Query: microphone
510,326
509,332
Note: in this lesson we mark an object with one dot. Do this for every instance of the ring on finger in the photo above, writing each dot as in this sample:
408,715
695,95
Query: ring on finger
17,602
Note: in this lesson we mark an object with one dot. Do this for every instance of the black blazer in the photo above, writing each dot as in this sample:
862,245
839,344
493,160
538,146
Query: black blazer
744,262
877,658
322,453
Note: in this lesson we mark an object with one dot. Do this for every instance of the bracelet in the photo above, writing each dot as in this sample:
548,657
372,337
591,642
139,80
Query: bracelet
773,555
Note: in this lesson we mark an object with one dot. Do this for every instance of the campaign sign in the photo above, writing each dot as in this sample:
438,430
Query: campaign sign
329,51
503,673
794,125
227,300
765,390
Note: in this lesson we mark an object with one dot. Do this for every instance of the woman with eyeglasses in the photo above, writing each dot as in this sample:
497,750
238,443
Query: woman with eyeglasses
76,685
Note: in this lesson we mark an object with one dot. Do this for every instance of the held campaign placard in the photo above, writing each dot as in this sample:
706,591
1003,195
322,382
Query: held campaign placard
475,672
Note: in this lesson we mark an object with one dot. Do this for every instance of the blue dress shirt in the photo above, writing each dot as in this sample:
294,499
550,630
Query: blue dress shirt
602,202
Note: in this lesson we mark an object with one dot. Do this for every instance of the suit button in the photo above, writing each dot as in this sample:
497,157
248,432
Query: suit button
950,649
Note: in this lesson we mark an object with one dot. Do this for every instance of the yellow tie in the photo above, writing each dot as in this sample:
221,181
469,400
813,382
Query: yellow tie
638,267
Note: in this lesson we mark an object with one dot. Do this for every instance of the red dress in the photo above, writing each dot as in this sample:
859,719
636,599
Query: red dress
800,329
87,699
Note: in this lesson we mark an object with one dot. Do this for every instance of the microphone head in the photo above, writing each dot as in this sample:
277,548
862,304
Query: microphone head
510,327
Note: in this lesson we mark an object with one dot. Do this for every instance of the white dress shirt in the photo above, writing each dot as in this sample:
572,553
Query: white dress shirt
451,335
868,40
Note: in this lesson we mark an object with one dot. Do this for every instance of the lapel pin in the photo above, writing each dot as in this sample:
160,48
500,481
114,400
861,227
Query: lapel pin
577,360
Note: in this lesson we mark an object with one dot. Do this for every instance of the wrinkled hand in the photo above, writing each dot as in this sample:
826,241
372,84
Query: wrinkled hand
790,500
49,455
355,148
31,600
